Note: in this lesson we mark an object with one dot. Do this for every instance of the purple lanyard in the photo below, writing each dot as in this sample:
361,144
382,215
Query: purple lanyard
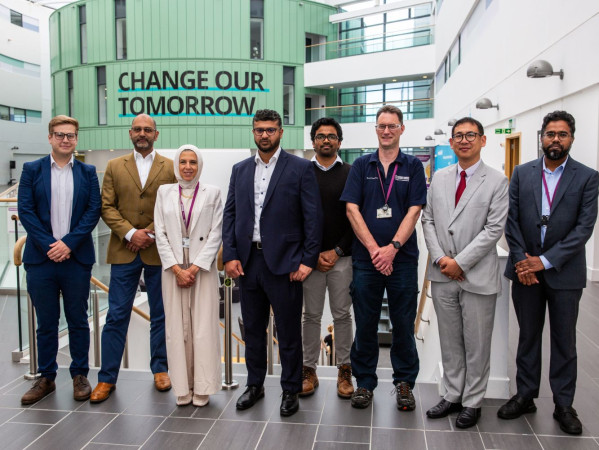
550,199
193,200
390,184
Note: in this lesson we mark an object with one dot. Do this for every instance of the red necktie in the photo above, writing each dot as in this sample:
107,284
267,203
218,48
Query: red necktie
461,187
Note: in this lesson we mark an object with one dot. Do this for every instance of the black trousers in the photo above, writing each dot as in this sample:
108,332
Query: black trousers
261,289
530,304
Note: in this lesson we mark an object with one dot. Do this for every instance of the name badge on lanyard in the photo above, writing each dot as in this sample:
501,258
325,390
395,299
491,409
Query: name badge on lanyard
385,211
186,220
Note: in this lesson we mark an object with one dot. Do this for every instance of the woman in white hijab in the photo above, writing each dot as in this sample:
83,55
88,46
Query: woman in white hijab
187,219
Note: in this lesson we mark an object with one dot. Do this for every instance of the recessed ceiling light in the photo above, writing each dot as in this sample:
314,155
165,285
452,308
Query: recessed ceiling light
424,76
394,79
331,87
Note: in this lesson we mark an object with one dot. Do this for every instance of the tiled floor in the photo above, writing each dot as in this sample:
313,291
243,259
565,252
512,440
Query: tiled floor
137,416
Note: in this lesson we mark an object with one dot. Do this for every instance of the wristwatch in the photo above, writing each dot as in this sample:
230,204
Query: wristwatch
339,251
396,245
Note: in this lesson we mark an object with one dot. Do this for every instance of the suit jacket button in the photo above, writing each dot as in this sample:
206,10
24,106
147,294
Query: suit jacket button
451,233
141,213
201,239
141,196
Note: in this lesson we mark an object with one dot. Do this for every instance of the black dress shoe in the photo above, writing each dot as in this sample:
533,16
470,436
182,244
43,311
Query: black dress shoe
289,404
249,398
467,417
515,407
568,419
443,409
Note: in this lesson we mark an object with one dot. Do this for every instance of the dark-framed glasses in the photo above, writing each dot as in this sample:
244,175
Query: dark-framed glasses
470,137
60,136
561,135
391,126
147,130
260,131
330,137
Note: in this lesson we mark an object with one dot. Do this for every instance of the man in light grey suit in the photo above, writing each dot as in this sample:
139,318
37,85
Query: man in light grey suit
465,213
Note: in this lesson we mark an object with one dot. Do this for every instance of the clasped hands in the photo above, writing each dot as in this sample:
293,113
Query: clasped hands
59,251
185,277
526,269
327,260
233,269
140,240
451,269
382,259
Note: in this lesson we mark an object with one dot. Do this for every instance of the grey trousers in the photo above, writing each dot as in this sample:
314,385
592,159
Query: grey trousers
465,329
337,280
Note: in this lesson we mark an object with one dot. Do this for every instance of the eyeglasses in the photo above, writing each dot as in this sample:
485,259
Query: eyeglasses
260,131
145,129
562,135
330,137
392,126
60,136
470,137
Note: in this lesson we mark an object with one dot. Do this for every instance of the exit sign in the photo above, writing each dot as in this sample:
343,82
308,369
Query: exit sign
503,131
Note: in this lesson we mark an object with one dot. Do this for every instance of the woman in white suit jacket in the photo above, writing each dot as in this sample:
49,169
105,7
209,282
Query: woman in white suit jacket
187,220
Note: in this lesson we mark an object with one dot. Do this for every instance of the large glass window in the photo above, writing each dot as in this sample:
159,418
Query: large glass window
16,18
18,115
83,34
257,29
4,112
70,99
102,94
120,14
288,95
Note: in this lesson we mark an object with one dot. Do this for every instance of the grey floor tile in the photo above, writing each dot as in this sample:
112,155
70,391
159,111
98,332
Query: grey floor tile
387,415
92,446
166,440
39,416
185,411
12,400
260,412
128,430
490,423
568,443
125,395
8,413
383,439
302,416
340,446
442,424
183,425
338,412
510,441
287,436
214,409
73,432
19,435
233,435
145,406
343,434
442,440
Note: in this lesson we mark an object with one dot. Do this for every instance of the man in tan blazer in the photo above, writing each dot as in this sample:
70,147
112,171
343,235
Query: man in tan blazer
465,213
128,196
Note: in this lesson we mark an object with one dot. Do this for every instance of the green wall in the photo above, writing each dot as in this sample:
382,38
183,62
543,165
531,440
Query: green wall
176,36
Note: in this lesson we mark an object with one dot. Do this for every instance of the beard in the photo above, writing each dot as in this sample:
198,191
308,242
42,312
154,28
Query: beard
555,152
267,146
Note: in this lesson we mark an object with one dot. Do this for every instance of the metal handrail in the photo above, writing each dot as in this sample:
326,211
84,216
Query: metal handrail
390,102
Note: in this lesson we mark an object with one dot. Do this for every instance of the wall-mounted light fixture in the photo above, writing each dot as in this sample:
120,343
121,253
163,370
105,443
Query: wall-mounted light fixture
439,132
429,138
542,69
485,103
452,122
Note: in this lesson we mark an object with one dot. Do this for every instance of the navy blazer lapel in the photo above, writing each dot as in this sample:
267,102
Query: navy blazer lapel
247,175
536,183
564,182
279,167
47,179
77,178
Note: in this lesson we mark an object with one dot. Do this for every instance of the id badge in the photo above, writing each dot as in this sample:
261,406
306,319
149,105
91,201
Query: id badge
186,242
383,213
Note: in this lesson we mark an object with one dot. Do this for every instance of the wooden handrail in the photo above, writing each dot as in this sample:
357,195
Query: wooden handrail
423,297
237,338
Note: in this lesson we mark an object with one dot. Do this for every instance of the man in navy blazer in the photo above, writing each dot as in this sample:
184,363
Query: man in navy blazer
59,206
552,212
272,228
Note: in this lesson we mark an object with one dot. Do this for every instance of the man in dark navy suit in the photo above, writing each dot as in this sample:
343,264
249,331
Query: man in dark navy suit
552,212
59,206
272,228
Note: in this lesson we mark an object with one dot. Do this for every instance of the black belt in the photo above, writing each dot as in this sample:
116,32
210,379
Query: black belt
257,245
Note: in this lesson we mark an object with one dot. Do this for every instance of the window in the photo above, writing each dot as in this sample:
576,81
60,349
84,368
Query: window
71,100
288,95
454,57
101,77
257,29
17,115
120,14
16,18
4,113
83,34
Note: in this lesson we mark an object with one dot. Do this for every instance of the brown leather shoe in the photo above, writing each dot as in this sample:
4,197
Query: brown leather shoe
42,387
81,388
101,392
345,387
162,382
309,381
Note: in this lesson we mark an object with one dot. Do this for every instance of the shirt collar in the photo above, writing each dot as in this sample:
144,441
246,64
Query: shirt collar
470,170
400,158
273,158
139,157
558,169
323,168
54,163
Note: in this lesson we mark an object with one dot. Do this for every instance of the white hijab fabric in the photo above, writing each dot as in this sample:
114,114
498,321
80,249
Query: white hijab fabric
188,184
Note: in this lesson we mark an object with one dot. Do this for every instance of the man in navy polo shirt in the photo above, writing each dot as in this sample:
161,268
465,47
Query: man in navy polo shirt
385,192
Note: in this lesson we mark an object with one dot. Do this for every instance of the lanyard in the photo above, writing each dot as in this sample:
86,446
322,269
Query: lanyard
550,199
386,197
193,200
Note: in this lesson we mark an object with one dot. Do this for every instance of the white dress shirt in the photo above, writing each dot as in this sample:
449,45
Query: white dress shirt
61,203
262,177
469,172
552,179
326,169
143,169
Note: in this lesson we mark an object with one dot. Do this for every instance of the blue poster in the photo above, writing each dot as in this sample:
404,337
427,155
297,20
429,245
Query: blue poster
444,156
